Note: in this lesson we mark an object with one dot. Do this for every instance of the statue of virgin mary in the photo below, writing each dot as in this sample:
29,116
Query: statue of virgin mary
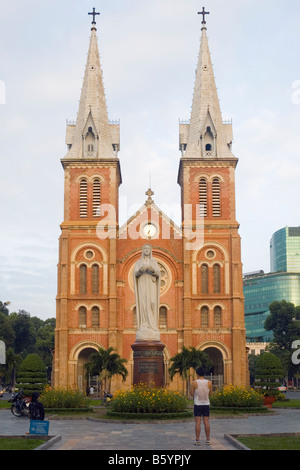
146,281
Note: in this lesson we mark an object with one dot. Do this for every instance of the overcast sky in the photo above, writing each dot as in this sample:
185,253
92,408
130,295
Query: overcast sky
148,55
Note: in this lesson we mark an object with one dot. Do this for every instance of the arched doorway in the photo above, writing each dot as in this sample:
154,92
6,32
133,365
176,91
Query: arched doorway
83,380
79,356
216,372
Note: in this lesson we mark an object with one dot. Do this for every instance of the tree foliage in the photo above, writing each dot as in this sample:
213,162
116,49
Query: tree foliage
106,363
284,322
23,335
187,359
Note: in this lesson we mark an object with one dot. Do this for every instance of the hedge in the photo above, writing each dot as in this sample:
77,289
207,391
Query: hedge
32,376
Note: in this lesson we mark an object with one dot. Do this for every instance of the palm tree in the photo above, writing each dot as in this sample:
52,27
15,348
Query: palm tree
188,358
105,363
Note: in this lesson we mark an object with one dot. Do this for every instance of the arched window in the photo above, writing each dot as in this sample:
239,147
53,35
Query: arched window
217,317
90,140
216,197
204,317
204,279
208,140
95,279
203,197
217,278
83,196
96,197
83,279
95,317
82,317
163,316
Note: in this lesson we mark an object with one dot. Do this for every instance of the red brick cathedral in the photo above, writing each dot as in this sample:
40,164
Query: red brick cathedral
201,291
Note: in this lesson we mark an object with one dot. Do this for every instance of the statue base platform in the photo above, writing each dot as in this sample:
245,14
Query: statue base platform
148,363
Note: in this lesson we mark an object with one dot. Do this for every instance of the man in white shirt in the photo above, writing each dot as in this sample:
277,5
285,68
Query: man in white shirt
201,389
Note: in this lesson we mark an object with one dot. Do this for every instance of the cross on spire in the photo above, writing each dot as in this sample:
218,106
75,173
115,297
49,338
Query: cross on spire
149,193
203,13
94,15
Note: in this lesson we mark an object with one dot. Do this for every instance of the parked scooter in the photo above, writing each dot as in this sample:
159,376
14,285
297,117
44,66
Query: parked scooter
20,404
106,398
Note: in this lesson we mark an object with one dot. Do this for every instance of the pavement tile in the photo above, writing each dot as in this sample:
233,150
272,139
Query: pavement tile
176,436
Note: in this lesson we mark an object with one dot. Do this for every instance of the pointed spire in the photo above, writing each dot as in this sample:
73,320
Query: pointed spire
91,136
207,135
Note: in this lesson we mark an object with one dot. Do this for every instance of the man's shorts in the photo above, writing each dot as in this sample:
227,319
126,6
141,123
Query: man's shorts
201,410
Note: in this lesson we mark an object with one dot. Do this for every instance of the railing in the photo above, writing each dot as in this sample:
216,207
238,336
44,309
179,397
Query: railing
187,121
70,122
216,380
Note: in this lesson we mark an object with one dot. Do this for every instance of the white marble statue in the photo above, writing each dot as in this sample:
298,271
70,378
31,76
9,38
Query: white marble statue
146,280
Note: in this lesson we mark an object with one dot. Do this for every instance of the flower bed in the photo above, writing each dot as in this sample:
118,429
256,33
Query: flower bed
236,397
62,399
142,399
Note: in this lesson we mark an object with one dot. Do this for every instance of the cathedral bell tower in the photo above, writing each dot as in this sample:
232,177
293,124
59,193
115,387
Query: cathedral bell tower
87,264
213,289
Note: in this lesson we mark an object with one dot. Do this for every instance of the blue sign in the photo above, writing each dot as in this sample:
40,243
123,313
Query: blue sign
39,427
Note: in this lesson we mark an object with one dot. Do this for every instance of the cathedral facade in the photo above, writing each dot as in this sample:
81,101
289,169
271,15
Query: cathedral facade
201,290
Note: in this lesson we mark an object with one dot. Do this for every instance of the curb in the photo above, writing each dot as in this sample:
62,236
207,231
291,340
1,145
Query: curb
235,442
49,440
48,443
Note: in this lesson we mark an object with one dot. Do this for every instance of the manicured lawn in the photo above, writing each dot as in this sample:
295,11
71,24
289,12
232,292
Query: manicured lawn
5,404
288,404
270,442
19,443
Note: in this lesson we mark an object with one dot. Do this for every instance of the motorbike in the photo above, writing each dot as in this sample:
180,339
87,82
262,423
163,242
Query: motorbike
106,398
20,404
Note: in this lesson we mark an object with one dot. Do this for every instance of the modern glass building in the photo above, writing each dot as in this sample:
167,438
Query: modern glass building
283,283
285,250
260,290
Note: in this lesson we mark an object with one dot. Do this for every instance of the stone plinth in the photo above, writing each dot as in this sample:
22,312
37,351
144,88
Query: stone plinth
148,363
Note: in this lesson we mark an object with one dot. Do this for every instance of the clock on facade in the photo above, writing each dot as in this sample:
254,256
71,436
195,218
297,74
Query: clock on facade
149,230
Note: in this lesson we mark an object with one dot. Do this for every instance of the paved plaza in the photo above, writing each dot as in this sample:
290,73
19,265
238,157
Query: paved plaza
89,434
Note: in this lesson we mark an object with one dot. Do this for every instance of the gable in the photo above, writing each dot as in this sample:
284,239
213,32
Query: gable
150,223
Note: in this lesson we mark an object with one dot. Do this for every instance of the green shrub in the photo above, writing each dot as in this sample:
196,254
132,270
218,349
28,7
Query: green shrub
63,398
268,373
236,397
150,416
144,399
32,376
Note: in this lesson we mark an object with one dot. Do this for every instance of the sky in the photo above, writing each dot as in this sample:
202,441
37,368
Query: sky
148,53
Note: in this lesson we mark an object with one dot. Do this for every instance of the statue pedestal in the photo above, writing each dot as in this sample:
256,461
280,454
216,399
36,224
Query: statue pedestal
148,363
